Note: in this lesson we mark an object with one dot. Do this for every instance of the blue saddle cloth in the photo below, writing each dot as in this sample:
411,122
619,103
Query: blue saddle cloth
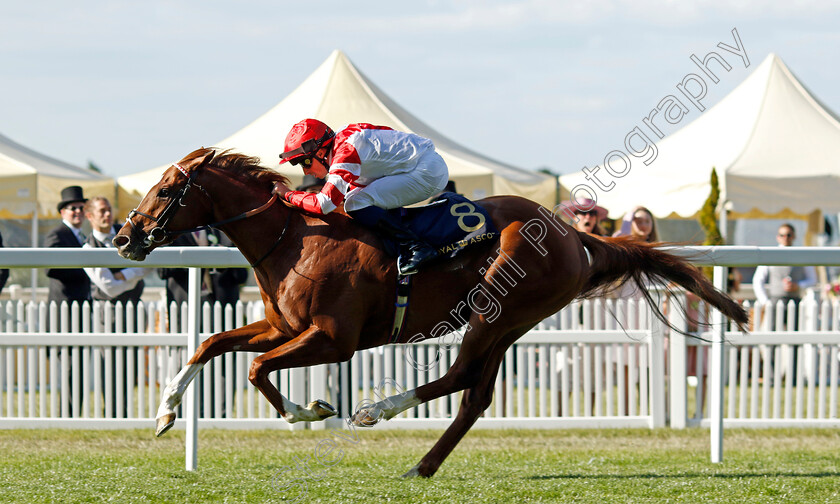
451,223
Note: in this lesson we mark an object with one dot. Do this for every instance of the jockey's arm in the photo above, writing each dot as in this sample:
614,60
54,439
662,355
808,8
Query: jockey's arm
324,202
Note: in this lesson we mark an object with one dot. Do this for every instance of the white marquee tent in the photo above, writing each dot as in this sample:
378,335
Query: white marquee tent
775,146
338,94
31,183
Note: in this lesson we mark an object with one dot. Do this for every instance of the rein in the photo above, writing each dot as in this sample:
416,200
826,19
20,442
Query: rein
243,215
277,242
159,233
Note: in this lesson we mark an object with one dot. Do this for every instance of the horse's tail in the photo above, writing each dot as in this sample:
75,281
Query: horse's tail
616,261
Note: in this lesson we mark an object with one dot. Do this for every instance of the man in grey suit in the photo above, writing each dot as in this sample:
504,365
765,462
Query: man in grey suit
785,283
68,284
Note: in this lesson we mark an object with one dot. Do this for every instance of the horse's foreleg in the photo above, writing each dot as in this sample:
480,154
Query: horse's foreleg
256,337
310,348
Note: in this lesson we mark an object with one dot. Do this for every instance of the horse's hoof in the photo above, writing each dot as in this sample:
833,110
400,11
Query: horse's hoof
322,408
414,472
164,423
362,418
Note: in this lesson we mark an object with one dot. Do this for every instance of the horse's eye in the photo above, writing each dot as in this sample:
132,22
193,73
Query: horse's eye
164,193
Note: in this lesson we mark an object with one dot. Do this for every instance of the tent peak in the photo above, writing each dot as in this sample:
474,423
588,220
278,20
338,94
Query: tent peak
338,93
336,56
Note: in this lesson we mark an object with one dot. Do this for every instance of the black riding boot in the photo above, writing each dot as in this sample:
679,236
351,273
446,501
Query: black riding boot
418,252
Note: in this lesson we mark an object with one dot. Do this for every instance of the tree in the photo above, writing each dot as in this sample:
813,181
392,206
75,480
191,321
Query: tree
708,218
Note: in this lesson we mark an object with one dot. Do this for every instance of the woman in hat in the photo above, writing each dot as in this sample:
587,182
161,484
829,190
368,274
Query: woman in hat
587,216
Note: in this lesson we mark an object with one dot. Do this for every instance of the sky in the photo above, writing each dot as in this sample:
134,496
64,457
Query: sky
132,85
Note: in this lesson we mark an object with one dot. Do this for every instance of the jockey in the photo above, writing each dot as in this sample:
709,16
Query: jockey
371,169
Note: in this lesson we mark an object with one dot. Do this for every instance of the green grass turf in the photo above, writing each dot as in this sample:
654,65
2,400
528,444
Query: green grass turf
509,466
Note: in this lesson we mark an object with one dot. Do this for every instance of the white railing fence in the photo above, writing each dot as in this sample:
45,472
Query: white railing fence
58,364
563,373
109,364
783,373
578,367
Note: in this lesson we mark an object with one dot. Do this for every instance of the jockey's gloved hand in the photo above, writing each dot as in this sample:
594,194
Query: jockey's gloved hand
280,189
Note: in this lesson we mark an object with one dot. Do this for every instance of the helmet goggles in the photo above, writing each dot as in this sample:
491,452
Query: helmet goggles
307,149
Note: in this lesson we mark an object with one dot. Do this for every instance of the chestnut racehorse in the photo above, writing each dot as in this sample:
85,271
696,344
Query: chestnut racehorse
329,289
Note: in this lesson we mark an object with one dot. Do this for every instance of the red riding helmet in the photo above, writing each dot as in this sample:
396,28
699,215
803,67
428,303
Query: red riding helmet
305,138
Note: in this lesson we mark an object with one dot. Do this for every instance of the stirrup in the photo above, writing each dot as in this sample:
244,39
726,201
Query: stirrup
418,257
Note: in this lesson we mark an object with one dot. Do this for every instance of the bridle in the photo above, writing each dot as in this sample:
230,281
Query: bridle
159,233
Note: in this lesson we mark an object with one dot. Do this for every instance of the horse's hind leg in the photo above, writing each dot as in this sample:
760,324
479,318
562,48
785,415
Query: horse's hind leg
473,403
256,337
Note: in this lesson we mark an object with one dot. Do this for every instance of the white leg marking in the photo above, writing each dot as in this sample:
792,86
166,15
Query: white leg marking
398,403
313,412
174,391
385,409
292,410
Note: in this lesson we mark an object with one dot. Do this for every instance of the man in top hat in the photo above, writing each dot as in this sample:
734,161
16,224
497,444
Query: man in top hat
68,284
587,215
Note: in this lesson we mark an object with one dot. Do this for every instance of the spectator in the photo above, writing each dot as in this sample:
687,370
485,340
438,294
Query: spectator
640,224
587,216
110,284
68,284
4,273
785,283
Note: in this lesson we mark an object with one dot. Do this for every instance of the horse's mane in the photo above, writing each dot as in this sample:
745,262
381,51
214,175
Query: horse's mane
242,164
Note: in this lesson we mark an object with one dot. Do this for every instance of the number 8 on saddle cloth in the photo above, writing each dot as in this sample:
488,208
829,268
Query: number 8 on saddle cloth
450,224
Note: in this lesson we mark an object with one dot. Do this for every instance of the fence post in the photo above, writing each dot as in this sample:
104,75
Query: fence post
657,370
297,393
677,363
193,328
318,389
716,373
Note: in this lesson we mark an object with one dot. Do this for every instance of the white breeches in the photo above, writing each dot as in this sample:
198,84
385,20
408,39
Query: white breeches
427,179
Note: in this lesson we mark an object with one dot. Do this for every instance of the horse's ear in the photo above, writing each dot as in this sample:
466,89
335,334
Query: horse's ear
205,158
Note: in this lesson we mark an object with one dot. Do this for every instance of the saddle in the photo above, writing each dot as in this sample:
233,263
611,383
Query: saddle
451,223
